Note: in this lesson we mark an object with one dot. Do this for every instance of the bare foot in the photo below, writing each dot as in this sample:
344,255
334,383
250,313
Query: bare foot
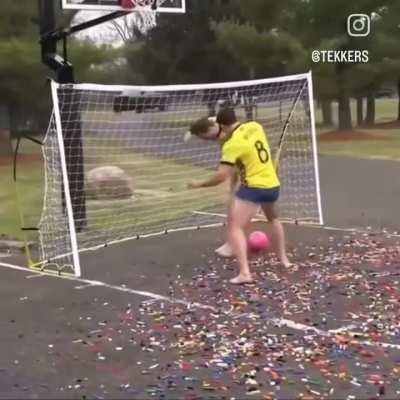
285,262
225,251
241,279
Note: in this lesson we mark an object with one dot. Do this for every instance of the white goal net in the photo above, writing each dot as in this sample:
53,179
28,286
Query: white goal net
117,163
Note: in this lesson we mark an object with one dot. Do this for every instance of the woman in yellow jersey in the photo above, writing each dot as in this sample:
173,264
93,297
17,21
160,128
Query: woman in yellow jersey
245,148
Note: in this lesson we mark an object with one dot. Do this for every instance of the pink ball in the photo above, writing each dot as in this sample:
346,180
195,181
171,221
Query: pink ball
258,241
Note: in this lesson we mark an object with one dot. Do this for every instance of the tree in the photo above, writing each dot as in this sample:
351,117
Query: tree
15,24
383,65
25,91
5,145
232,39
390,28
327,23
244,42
183,48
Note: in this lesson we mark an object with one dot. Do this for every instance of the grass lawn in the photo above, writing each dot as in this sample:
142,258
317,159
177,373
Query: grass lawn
168,205
8,210
158,200
387,149
386,110
30,184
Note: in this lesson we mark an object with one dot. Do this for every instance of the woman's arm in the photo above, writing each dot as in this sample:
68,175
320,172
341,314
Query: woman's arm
224,172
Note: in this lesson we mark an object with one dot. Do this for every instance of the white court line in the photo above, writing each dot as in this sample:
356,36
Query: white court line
90,283
81,287
308,225
277,321
34,276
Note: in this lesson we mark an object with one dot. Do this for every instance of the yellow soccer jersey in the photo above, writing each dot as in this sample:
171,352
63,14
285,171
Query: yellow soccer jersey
248,149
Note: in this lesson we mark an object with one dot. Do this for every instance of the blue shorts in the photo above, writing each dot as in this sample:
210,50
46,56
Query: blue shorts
257,195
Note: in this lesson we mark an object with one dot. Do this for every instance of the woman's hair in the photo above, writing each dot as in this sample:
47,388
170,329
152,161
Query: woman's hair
201,126
226,116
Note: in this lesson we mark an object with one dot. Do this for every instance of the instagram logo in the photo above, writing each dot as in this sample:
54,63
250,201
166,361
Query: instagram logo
359,25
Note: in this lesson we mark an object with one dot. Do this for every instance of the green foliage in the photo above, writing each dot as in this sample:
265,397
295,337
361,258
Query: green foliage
92,63
216,40
17,19
282,53
234,39
183,49
25,91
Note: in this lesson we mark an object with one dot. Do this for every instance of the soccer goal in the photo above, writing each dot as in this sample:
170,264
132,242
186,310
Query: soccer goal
117,161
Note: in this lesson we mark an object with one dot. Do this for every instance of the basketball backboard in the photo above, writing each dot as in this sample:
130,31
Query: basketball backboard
168,6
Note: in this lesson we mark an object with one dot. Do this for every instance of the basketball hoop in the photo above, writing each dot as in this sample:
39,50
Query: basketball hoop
146,12
149,4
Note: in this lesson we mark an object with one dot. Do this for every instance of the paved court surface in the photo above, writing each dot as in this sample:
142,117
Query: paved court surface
156,318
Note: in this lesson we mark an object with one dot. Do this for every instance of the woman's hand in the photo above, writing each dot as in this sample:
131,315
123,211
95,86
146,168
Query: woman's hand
194,185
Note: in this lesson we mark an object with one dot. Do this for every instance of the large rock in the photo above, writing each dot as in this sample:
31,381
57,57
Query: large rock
109,183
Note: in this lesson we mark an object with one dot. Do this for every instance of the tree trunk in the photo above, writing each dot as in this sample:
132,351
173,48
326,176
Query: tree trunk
212,108
345,122
326,108
5,143
249,103
398,94
249,107
370,117
345,114
360,111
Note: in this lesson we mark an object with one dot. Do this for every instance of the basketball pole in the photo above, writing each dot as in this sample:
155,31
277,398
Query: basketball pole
63,72
71,130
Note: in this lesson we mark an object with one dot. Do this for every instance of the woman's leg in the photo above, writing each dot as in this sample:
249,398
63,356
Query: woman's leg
277,233
241,214
226,250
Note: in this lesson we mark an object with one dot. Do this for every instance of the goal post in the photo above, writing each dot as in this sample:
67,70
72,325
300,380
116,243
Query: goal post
310,88
66,208
134,160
